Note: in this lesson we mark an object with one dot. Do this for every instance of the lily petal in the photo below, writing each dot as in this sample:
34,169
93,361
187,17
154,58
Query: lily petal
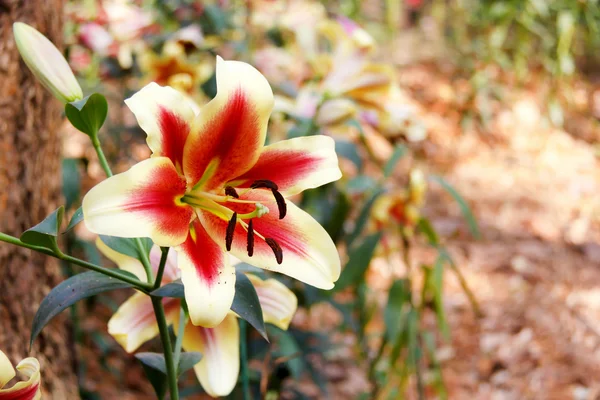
219,367
309,254
141,202
278,303
295,165
207,276
30,389
227,136
7,372
134,322
165,115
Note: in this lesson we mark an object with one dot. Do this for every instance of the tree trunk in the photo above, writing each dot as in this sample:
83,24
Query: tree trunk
30,177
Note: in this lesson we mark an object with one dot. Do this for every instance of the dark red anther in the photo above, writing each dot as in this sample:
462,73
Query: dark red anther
229,191
280,203
264,183
230,230
250,247
276,249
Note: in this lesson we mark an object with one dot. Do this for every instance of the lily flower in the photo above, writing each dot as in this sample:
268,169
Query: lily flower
29,389
134,322
211,186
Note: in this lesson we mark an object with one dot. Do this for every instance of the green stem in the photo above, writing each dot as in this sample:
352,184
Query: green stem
163,329
61,256
180,332
101,156
244,359
161,267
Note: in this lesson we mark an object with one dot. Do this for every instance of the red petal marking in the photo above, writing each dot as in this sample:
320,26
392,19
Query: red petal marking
205,254
283,231
232,137
26,393
174,131
156,199
284,167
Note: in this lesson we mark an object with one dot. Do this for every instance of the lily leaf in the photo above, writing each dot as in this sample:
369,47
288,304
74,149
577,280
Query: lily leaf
75,219
126,246
44,234
187,360
464,207
172,289
359,259
88,114
69,292
246,304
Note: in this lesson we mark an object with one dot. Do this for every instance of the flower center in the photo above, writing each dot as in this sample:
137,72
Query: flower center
220,206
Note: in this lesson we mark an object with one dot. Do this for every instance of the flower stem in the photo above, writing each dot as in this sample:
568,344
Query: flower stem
101,156
244,359
161,267
163,329
61,256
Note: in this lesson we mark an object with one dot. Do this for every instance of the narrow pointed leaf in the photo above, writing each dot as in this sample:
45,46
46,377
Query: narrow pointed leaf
246,304
44,234
359,259
398,153
362,219
156,361
398,297
173,289
464,207
157,378
69,292
126,246
75,219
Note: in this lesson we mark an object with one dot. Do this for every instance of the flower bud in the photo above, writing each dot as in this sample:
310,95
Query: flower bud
47,63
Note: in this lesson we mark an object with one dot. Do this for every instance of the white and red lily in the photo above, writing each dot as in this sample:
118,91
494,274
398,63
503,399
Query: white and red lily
211,186
134,322
29,389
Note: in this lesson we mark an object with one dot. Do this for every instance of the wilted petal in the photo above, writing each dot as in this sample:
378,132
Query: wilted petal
227,136
295,165
309,254
220,365
165,115
141,202
207,276
278,303
134,322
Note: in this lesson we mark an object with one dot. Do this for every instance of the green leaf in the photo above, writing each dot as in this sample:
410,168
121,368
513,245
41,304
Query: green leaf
305,127
246,304
414,349
398,296
126,246
464,207
157,378
71,182
287,347
88,114
173,289
187,360
360,184
44,234
69,292
362,219
349,151
359,259
337,216
425,226
75,219
398,153
436,283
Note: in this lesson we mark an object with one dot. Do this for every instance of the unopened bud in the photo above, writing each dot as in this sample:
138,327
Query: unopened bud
47,63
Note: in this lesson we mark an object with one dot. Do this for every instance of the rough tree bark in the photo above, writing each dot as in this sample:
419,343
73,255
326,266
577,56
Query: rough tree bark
29,190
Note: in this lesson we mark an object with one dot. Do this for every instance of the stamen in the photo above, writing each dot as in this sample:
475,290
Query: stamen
230,230
276,249
229,191
250,247
280,203
264,183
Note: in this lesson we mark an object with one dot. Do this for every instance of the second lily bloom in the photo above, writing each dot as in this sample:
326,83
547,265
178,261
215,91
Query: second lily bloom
212,186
